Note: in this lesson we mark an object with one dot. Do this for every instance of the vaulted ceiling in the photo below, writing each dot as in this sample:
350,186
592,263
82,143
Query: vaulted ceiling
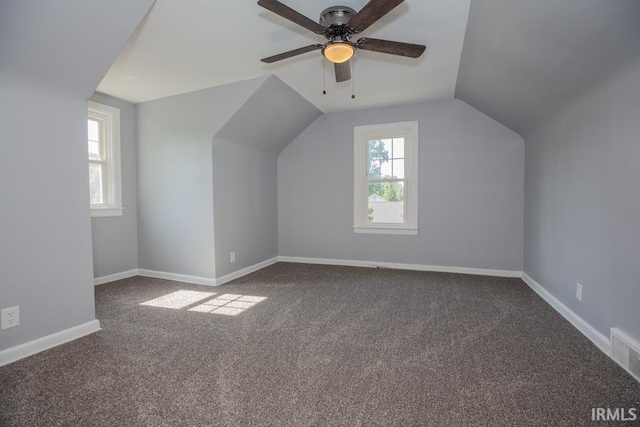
515,60
188,45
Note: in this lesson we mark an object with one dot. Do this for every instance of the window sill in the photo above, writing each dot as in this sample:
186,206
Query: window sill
104,212
402,231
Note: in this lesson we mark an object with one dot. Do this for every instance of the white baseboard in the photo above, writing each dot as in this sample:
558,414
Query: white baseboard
401,266
247,270
177,277
600,340
197,280
155,274
36,346
113,277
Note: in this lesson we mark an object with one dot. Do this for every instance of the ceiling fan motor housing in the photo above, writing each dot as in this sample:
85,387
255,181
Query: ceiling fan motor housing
336,15
335,19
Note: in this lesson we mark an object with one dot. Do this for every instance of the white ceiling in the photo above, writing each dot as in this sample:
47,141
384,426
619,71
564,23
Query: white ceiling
189,45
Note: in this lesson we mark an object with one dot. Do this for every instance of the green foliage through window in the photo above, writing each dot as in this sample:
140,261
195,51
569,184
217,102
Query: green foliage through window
378,155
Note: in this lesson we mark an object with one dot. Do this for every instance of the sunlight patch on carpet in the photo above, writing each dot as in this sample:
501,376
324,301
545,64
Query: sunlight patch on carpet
228,304
179,299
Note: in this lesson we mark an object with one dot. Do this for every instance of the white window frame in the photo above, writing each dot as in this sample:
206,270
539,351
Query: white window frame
362,134
110,119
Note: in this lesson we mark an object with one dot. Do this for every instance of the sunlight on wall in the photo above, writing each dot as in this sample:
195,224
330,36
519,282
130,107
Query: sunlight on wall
178,299
227,304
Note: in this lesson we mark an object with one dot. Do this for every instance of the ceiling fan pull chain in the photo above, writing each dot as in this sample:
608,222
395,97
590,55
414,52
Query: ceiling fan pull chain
324,75
353,80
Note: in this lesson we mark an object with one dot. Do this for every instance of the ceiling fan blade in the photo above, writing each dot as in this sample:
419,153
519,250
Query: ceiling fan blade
291,53
293,16
370,13
343,71
394,48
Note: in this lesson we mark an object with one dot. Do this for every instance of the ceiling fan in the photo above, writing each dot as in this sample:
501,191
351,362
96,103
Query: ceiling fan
338,24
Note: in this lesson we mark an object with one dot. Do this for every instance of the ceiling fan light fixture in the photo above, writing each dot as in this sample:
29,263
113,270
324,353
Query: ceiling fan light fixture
338,52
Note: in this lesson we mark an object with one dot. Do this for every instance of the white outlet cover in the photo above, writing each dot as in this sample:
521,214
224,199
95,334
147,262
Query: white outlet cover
10,317
578,291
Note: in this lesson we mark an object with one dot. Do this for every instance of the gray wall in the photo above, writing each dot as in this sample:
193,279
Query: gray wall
115,239
245,205
45,226
471,190
583,204
45,249
175,196
245,186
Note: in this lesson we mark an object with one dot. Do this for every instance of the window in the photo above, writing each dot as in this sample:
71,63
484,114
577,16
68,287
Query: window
103,123
386,179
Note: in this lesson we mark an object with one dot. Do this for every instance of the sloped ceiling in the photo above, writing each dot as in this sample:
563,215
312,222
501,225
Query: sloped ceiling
62,44
189,45
271,118
524,59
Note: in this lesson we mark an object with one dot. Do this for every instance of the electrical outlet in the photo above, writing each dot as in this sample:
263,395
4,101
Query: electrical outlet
578,291
10,317
232,257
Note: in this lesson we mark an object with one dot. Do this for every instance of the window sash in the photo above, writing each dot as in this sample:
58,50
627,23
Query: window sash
103,183
376,181
365,211
362,136
101,137
103,161
108,119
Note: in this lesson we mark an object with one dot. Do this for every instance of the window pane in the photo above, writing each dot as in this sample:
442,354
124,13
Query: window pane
380,148
374,149
386,144
398,148
95,183
386,202
398,168
385,170
375,168
378,157
94,150
94,130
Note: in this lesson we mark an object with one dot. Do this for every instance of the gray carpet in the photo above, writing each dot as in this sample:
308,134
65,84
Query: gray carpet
328,346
